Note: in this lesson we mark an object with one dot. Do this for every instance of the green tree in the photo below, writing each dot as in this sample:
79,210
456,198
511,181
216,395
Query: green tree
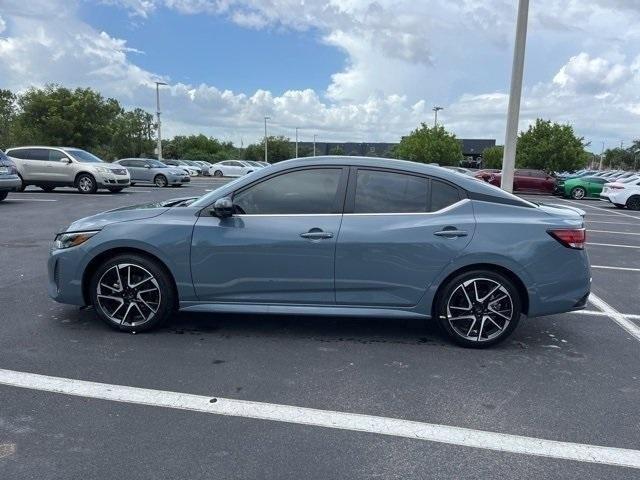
492,157
430,145
133,135
8,110
551,147
199,147
619,158
337,150
278,149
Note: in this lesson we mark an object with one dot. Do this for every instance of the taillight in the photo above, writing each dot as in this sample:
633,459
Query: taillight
570,237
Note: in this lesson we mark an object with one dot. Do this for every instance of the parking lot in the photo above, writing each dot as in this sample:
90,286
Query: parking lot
572,378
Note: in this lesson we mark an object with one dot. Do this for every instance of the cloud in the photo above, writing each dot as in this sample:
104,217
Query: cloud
591,75
3,25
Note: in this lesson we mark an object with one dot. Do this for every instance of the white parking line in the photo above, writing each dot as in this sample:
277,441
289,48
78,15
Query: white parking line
466,437
616,316
599,313
29,200
609,210
613,245
624,269
609,231
613,223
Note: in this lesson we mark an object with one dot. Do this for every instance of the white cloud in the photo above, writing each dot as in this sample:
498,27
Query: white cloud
3,24
591,75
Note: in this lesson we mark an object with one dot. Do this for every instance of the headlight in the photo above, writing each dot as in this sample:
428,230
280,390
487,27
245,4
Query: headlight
68,240
102,170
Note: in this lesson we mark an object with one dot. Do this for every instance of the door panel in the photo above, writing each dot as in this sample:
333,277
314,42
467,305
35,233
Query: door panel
59,170
390,260
264,259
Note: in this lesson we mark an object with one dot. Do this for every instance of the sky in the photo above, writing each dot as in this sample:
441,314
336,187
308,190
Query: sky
345,70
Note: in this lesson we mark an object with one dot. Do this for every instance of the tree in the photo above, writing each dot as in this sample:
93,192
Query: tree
199,147
7,116
337,150
430,145
278,149
492,157
551,147
619,158
133,135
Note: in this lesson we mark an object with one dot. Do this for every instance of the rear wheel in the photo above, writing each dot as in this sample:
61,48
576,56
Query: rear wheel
3,195
619,205
160,181
578,193
85,183
217,173
47,188
634,203
479,308
132,293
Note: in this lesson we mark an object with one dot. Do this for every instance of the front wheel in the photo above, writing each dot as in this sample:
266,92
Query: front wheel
160,181
217,173
578,193
478,309
633,203
133,293
22,186
85,183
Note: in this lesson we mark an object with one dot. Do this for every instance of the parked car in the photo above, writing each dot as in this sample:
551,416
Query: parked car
193,171
154,171
206,167
337,236
524,180
231,168
9,179
253,164
623,193
203,169
583,187
51,167
464,171
471,162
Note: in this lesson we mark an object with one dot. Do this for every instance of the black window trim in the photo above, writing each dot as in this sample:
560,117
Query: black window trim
350,201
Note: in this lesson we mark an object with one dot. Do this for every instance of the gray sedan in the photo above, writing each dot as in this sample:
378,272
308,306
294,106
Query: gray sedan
9,179
153,171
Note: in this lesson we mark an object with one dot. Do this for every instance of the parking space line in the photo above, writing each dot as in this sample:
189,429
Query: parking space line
30,200
599,313
616,316
624,269
609,210
466,437
613,245
609,231
614,223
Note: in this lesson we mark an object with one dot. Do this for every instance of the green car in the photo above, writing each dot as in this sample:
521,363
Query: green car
583,187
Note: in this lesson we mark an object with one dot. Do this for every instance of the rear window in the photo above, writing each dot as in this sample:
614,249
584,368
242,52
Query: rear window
388,192
443,195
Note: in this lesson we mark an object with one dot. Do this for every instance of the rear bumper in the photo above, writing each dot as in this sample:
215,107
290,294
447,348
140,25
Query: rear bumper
9,183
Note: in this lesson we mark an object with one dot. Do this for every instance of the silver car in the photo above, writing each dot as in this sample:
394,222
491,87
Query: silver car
51,167
204,169
154,171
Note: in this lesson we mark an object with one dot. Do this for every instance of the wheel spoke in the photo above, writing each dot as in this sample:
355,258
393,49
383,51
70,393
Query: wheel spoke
463,317
146,304
481,328
490,293
473,324
113,289
498,313
126,313
141,282
145,318
491,320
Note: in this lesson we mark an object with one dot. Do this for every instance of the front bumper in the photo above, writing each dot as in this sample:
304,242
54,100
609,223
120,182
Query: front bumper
178,179
9,183
64,269
108,180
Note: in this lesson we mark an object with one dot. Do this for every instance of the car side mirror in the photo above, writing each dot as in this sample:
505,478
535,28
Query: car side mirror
67,160
223,208
146,165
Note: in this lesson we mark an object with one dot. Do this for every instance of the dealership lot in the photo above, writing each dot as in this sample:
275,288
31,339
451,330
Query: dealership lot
569,378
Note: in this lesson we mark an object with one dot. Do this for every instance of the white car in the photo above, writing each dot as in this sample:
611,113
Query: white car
231,168
623,193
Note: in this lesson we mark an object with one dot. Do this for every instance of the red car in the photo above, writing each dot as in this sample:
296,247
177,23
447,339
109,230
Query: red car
525,180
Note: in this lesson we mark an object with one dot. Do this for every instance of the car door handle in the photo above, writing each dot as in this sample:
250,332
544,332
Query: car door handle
451,233
314,234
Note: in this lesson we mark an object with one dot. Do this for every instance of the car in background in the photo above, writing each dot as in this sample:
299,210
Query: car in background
254,163
464,171
51,167
465,254
153,171
204,170
193,171
206,167
232,168
583,187
471,162
524,181
623,193
9,179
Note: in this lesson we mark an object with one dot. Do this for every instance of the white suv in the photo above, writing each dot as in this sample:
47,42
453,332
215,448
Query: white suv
51,167
623,193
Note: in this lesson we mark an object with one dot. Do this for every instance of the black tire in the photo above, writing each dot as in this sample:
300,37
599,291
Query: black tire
177,185
85,183
3,195
218,173
619,205
160,181
478,336
133,319
633,203
115,189
132,184
22,185
47,188
578,193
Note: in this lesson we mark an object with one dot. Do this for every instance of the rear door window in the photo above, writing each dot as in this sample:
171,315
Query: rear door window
390,192
41,154
56,156
443,195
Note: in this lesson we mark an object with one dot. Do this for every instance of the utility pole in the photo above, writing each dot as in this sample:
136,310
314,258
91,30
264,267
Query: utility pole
515,94
314,144
266,155
601,156
436,109
159,147
296,142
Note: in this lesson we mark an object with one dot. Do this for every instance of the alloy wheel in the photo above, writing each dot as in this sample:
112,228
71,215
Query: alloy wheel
160,181
85,184
479,309
128,294
578,193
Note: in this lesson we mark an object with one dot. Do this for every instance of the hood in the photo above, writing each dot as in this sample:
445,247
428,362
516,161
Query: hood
126,214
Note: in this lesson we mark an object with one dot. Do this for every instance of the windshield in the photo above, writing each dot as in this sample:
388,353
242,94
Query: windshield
213,195
83,156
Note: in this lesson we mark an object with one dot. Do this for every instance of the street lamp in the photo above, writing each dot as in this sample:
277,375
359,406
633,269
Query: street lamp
158,117
296,142
314,144
515,94
436,109
266,156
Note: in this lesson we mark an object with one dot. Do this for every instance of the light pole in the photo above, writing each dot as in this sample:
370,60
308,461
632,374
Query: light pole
436,109
266,156
314,144
509,158
158,117
601,156
296,142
